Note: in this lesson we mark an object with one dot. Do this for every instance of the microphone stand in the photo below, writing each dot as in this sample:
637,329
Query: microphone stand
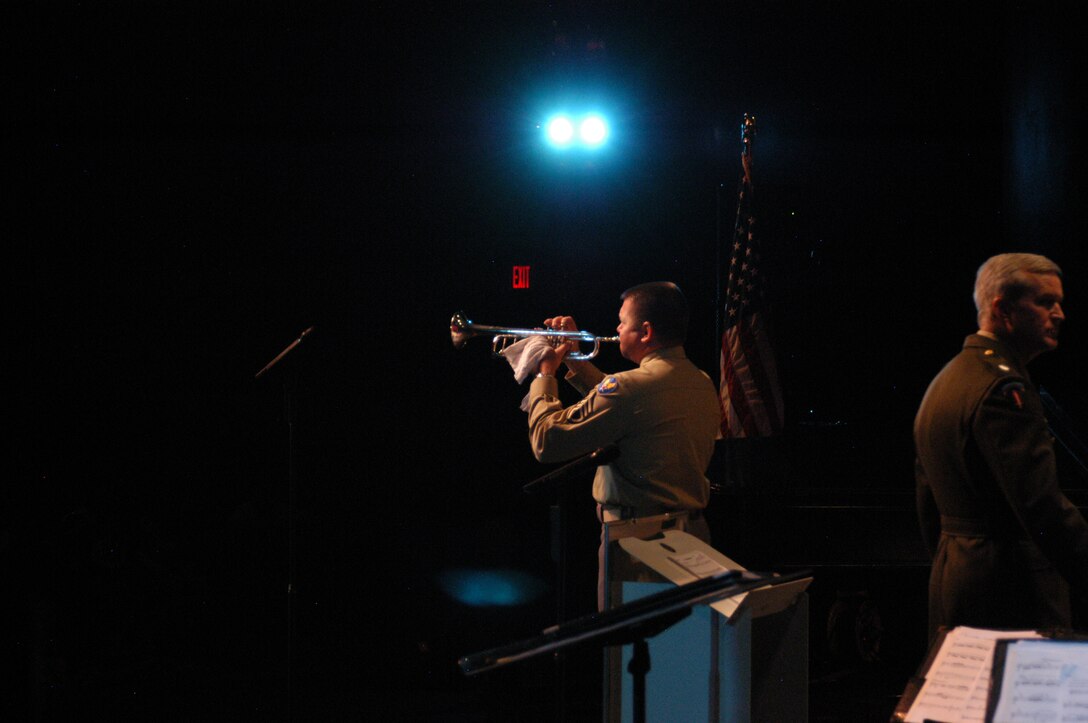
290,386
561,513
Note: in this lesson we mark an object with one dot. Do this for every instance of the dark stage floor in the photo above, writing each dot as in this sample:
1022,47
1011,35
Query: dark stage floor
862,693
859,664
132,634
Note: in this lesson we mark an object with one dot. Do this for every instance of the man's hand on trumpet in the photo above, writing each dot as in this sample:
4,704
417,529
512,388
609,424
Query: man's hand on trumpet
551,361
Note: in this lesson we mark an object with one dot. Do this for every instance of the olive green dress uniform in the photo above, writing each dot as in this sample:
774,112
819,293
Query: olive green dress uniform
1006,543
664,416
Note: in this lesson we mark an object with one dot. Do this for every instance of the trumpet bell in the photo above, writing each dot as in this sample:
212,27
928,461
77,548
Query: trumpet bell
460,330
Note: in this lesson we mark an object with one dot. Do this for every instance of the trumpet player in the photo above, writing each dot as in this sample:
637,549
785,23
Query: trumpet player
663,416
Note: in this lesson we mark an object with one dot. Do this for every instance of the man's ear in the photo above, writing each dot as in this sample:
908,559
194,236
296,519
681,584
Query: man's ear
647,332
1001,311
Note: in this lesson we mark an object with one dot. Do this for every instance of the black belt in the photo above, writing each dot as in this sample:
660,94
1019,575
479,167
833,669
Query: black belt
970,527
964,526
630,513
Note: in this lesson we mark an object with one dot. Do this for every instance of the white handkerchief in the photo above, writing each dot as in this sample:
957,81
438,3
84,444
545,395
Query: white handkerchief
524,357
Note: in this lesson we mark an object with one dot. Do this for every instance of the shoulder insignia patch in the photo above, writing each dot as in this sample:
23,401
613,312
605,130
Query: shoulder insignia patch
608,386
1014,391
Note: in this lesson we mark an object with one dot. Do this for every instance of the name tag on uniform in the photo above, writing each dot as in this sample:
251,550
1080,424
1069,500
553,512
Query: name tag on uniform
608,386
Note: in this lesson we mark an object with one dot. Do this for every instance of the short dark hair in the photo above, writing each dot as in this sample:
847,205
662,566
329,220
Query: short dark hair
663,305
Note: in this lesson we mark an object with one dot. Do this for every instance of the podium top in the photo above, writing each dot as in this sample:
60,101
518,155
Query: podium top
682,559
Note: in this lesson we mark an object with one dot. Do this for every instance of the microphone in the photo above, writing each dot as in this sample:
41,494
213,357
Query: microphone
603,455
306,332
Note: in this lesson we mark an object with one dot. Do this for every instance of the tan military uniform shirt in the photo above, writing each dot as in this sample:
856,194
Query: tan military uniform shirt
664,416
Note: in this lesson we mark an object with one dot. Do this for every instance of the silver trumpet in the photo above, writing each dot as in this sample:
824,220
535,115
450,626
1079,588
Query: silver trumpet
461,330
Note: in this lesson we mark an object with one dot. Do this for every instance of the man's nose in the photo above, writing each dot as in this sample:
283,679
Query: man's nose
1057,312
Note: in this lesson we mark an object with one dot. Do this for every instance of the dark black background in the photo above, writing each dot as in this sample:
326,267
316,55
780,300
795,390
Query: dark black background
193,184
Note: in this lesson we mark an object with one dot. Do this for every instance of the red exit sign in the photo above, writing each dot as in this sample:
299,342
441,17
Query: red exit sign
521,277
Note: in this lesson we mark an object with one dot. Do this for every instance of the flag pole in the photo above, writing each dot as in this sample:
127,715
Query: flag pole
747,133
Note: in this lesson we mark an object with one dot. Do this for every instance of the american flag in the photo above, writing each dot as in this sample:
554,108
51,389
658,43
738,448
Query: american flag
751,397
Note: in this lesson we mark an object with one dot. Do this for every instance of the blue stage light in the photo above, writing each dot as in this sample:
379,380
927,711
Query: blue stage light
560,130
593,130
587,131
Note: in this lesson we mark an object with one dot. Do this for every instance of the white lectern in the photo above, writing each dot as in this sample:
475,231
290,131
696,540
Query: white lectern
744,658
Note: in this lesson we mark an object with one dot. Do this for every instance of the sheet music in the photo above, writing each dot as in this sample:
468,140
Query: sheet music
698,564
1044,680
958,681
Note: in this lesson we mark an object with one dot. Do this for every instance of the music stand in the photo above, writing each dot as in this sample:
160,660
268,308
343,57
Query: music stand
631,623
